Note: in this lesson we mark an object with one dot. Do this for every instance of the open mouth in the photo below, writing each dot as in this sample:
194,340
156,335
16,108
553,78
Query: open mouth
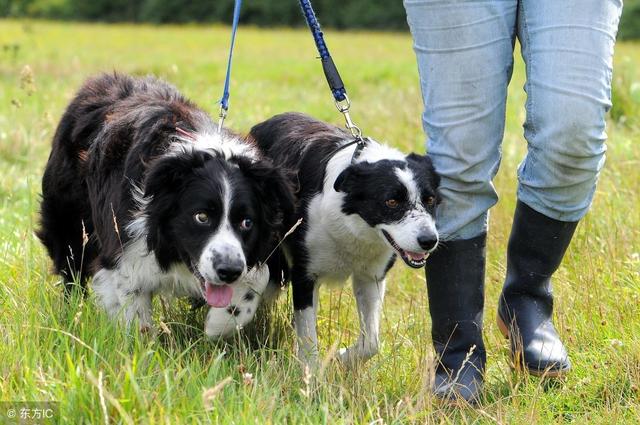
217,296
415,260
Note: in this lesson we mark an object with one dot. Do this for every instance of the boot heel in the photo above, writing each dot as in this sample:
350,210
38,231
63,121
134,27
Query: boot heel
504,330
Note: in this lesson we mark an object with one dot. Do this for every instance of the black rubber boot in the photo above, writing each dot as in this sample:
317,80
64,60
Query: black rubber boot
536,247
455,283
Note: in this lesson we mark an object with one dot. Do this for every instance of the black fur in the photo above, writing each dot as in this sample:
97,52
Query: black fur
297,142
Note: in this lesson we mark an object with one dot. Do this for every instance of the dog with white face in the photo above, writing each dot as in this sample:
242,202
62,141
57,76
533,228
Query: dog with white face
143,193
361,208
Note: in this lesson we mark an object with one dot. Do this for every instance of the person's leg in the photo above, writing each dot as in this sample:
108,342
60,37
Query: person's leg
567,47
465,57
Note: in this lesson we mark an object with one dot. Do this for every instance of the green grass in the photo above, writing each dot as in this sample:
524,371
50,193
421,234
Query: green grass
99,373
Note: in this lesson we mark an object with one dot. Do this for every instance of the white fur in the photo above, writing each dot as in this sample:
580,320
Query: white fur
221,143
137,277
304,322
127,290
220,322
408,179
340,245
369,299
224,246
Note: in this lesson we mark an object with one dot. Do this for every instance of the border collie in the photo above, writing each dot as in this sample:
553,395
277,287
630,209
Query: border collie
144,194
361,208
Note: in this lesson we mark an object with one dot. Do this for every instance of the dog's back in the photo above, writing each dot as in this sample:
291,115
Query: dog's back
296,141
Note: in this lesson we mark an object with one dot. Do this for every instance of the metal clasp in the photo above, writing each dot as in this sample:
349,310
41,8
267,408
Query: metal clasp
344,106
222,115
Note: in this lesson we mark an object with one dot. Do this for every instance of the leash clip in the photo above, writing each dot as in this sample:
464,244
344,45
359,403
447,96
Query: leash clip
343,107
361,143
222,115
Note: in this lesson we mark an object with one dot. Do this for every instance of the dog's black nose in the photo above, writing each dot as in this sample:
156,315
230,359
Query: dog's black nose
228,274
427,241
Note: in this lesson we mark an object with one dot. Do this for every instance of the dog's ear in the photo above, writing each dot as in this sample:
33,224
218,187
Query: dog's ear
276,203
273,190
341,181
345,179
426,172
351,175
162,187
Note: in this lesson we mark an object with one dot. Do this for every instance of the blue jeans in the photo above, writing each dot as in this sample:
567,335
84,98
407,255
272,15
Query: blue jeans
465,58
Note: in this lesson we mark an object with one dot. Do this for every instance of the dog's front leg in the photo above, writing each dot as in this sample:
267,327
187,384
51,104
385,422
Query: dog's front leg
138,305
305,308
122,298
369,295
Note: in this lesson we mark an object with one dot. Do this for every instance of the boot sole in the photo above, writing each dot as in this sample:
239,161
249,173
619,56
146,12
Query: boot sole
548,373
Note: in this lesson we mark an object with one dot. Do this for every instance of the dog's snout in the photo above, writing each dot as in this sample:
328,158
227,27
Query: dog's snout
427,241
229,272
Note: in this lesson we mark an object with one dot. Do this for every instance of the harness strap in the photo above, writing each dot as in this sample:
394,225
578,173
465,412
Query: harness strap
361,143
224,101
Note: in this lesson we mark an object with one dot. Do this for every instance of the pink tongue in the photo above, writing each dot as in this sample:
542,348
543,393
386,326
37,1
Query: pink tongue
415,256
218,295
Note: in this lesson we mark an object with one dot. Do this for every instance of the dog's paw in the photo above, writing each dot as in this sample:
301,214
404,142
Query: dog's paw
346,358
145,325
352,357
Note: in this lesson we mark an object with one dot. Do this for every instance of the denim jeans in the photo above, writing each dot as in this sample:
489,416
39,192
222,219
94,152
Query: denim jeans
465,58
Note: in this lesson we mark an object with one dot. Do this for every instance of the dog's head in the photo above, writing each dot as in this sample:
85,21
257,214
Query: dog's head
220,217
398,198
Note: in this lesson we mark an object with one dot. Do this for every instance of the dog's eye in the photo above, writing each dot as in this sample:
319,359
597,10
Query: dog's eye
246,224
430,201
392,203
201,217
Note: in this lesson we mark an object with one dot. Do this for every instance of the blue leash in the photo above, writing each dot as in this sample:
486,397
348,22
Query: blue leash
331,74
224,101
330,71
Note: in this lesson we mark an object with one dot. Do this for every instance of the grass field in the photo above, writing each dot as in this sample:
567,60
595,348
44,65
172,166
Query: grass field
99,374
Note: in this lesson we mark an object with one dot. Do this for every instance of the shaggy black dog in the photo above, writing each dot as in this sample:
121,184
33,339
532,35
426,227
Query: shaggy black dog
143,193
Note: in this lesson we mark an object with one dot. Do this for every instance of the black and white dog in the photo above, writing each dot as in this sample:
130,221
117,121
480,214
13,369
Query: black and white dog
358,215
144,194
